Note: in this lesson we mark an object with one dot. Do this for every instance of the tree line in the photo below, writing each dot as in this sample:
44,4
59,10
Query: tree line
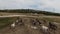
30,11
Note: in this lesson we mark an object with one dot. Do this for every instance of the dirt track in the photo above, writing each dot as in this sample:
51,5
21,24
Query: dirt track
20,30
30,16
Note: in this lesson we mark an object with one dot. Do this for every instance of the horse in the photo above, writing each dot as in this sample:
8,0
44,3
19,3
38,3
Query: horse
52,26
35,22
12,26
45,29
19,22
38,21
34,27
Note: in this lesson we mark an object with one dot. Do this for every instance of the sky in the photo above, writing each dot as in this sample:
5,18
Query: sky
45,5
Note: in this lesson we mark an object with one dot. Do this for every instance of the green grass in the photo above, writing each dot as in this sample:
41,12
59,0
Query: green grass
52,19
5,21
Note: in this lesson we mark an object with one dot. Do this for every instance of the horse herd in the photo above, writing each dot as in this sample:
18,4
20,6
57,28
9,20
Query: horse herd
45,29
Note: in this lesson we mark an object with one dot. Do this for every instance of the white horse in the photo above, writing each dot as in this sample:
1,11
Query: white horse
34,27
12,25
44,29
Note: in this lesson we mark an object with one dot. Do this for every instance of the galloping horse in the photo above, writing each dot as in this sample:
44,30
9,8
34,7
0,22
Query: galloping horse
35,21
52,26
13,25
38,21
19,21
45,29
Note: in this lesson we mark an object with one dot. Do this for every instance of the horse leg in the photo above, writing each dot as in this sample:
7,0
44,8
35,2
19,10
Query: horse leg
48,31
55,32
13,29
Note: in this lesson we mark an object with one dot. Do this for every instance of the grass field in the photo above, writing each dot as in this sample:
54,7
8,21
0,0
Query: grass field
52,19
8,20
5,21
24,29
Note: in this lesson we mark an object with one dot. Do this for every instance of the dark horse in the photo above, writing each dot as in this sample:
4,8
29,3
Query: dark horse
38,21
19,21
52,26
35,21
